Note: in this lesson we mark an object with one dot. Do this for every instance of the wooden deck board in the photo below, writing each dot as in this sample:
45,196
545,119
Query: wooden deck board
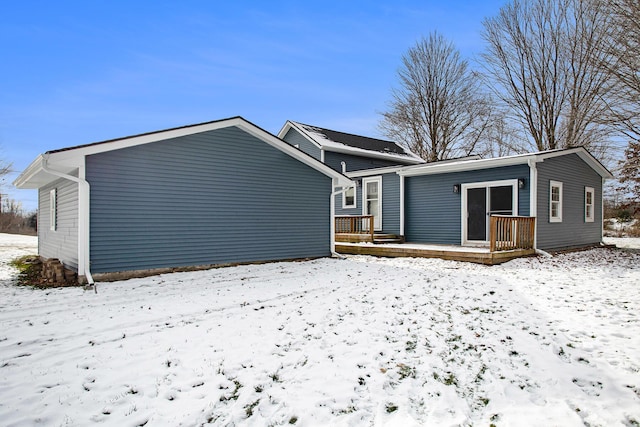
468,255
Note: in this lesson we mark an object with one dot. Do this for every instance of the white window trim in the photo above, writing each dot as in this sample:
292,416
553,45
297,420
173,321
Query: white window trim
344,199
552,218
53,209
589,218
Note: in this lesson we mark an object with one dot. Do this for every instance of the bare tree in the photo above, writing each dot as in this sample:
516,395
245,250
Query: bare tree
5,169
545,65
624,64
630,170
439,111
502,138
13,219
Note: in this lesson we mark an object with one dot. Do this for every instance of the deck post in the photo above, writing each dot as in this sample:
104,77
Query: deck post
493,223
371,231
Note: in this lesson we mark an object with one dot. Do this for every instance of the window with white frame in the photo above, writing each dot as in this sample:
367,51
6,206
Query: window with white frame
53,209
555,201
588,204
349,198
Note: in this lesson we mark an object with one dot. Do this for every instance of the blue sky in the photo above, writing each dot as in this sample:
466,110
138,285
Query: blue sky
75,72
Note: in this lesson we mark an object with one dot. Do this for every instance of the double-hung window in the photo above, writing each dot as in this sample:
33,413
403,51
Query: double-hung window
555,201
588,204
349,198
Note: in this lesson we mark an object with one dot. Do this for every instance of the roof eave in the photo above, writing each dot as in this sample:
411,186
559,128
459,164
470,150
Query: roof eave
463,165
72,157
293,125
375,171
24,180
431,168
373,154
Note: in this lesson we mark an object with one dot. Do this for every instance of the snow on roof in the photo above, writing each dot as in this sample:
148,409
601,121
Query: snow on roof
329,137
332,140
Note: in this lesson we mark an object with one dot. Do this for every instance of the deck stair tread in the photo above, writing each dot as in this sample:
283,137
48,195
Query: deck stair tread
366,237
390,239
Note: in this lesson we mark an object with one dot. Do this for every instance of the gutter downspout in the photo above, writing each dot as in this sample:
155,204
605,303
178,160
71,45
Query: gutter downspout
83,218
402,205
533,204
332,204
602,182
533,197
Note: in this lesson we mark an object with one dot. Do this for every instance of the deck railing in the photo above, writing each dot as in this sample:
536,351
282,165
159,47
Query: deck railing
512,232
355,224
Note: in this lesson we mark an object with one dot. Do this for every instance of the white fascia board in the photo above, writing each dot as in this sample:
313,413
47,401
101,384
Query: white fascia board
76,154
36,175
465,165
431,168
345,149
292,125
22,181
376,171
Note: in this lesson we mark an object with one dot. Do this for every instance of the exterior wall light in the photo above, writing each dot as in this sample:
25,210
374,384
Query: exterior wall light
521,182
456,188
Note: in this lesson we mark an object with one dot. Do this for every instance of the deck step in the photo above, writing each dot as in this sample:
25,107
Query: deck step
377,238
387,238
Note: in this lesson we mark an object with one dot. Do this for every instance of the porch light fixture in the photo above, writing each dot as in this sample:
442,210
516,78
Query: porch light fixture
521,182
456,188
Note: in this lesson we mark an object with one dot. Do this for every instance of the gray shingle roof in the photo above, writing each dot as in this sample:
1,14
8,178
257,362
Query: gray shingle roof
357,141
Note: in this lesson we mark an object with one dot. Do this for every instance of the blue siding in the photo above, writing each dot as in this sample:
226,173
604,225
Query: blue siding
390,203
216,197
356,163
293,137
432,212
573,231
63,242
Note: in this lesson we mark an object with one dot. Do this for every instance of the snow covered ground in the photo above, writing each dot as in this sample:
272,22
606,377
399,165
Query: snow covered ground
624,242
361,341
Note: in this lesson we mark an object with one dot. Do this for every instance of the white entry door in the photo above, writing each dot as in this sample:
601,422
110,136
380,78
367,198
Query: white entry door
372,200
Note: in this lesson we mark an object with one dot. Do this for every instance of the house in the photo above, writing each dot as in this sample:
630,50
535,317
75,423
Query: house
452,202
207,194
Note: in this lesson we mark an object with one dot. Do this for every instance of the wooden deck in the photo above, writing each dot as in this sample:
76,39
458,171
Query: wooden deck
478,255
510,237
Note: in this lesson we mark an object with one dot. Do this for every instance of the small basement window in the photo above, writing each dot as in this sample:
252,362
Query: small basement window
349,198
555,201
53,209
588,204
